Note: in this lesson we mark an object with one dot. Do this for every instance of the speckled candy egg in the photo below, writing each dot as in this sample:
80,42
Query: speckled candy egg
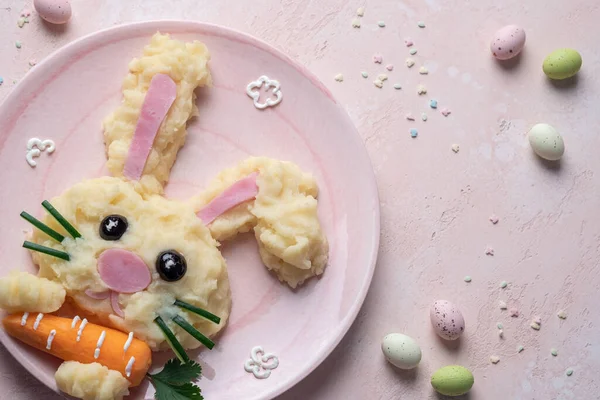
562,64
508,42
546,142
401,350
447,320
452,380
53,11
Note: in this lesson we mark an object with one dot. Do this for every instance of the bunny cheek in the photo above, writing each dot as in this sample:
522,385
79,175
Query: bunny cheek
123,271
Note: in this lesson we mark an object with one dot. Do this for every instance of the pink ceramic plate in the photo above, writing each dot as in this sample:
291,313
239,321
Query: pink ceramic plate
65,99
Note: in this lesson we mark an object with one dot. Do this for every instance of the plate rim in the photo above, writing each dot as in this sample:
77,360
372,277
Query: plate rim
354,137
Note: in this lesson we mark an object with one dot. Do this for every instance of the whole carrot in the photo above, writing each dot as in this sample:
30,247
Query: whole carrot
68,340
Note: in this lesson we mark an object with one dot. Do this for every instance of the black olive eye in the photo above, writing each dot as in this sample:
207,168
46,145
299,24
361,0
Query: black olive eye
171,265
113,227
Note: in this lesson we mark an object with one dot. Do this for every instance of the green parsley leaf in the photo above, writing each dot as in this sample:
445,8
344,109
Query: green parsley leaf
174,382
164,391
176,373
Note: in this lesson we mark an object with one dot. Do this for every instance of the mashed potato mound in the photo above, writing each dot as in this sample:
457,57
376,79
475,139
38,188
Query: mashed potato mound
283,216
155,224
186,64
91,381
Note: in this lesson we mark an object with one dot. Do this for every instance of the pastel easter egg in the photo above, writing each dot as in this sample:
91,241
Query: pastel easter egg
546,142
447,320
452,380
562,64
401,350
53,11
507,42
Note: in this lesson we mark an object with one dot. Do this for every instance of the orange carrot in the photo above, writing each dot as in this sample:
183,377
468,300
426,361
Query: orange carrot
65,346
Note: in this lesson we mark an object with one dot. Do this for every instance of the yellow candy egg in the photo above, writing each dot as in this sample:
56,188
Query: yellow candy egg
452,380
562,64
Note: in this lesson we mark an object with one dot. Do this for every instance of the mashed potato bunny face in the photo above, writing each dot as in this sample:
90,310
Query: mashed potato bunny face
143,272
134,258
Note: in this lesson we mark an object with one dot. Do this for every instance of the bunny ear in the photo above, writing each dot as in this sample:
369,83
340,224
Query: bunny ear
278,201
144,134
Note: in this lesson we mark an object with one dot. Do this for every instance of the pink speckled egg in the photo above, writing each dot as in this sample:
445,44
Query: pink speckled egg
508,42
53,11
447,320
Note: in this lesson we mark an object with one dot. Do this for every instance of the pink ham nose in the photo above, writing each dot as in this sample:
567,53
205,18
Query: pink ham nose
123,271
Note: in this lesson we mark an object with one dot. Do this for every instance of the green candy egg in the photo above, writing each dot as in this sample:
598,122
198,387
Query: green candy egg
452,380
562,64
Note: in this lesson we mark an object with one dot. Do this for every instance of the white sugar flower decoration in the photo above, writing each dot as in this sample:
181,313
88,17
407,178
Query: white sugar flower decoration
253,91
35,147
261,364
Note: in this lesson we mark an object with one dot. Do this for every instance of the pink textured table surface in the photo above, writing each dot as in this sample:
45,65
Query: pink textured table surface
435,203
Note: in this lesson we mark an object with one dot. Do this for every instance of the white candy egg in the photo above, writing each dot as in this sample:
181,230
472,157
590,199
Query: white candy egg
53,11
546,142
401,350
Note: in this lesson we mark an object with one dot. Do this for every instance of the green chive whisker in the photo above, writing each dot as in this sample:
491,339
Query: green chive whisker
61,220
42,227
172,340
47,250
199,311
189,328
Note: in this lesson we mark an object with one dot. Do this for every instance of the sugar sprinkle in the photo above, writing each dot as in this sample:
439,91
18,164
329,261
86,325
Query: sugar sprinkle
535,326
378,83
423,71
494,219
562,314
397,86
489,251
554,352
569,371
514,312
389,67
339,77
445,112
410,117
364,74
360,12
410,62
421,90
502,305
433,103
414,133
356,23
408,42
412,52
455,148
18,44
503,284
424,116
377,58
421,24
467,279
382,77
520,348
494,359
381,24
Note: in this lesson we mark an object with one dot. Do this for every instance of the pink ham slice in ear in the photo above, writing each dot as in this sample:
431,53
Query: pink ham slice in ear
123,271
238,193
159,98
